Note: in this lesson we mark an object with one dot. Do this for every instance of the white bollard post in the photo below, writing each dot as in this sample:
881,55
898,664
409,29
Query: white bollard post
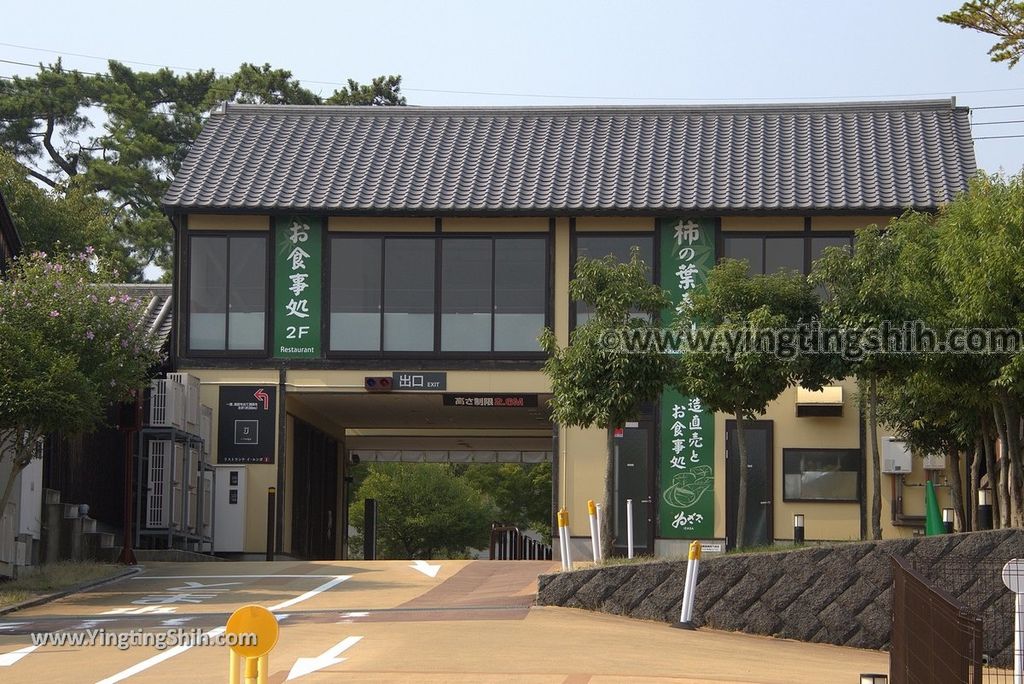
600,551
561,538
592,512
629,528
1013,578
568,543
690,587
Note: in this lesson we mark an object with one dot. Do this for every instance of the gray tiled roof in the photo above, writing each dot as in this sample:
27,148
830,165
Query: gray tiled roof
554,160
157,308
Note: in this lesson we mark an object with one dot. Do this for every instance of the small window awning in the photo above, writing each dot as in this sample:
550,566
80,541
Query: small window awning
828,401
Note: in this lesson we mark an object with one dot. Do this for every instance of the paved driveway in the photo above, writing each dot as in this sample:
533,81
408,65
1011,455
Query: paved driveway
393,621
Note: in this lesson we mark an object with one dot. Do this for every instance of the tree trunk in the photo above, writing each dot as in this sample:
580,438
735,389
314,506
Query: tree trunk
608,514
956,487
1004,467
990,469
876,462
1012,416
741,496
20,450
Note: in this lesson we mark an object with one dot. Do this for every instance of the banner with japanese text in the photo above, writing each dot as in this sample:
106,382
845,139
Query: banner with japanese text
297,287
686,465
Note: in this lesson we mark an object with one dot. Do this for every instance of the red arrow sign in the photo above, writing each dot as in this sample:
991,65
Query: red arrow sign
264,397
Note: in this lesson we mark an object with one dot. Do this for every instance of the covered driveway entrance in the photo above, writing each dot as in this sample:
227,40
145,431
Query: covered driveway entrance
421,427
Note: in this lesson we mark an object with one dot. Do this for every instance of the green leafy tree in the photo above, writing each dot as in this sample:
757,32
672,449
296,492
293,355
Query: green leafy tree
69,346
121,136
68,218
981,264
521,493
594,383
424,511
866,291
744,380
1000,18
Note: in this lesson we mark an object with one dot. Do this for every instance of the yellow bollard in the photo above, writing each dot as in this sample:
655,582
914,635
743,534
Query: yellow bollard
263,669
251,666
261,623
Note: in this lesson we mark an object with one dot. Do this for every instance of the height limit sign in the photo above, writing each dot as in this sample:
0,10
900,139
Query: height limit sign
245,424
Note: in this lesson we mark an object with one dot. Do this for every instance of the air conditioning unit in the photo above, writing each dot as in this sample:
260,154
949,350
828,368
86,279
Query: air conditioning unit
207,503
192,491
935,462
157,481
896,458
191,385
206,428
167,404
177,485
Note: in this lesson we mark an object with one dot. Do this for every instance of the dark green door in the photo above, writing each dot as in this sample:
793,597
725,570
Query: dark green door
759,524
633,474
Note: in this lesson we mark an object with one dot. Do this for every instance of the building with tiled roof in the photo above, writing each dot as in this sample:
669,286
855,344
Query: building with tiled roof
324,254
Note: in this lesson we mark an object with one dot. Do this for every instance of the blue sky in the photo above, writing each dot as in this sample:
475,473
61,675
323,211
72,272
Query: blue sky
559,52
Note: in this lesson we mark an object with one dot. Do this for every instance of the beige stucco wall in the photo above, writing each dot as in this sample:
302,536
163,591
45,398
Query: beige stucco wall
847,222
614,223
380,224
224,222
531,224
581,458
762,223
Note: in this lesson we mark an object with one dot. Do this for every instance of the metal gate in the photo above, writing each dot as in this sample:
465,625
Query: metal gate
935,639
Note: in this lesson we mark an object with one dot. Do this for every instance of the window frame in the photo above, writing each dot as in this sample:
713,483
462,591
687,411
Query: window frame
227,352
799,451
764,235
437,238
575,235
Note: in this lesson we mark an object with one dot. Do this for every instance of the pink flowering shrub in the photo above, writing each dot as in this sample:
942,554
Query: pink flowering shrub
70,344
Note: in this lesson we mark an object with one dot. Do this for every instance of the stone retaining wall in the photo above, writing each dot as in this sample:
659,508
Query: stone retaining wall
839,594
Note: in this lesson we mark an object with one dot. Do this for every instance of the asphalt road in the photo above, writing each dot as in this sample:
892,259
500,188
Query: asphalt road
392,621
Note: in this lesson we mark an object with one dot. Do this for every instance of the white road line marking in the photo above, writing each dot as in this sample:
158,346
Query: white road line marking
163,577
8,659
155,660
310,594
304,666
426,568
177,650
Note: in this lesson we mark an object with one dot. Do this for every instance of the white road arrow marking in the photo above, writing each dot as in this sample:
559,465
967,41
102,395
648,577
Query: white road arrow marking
303,666
8,659
426,568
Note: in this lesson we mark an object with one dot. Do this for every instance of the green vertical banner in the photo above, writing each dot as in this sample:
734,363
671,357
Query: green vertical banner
686,465
297,287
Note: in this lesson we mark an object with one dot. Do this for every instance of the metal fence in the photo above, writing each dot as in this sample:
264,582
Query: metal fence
508,543
935,639
976,581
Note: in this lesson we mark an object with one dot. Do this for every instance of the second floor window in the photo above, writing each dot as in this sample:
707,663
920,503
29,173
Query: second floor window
619,246
227,293
766,254
490,294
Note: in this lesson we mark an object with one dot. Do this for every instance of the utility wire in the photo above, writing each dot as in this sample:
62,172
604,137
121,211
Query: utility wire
994,123
551,95
998,137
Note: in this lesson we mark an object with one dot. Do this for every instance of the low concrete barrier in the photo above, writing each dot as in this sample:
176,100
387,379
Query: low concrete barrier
839,594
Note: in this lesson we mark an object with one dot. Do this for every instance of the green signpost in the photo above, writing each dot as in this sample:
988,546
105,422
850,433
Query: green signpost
686,501
297,287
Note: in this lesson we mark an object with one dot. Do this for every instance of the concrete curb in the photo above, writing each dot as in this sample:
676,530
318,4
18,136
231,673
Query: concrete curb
91,584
